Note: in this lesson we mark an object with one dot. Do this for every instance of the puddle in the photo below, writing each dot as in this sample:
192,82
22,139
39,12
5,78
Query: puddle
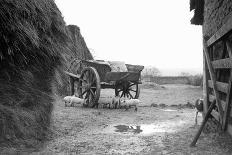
168,110
138,129
145,129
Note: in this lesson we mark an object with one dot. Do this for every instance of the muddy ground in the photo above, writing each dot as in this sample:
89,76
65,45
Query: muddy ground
151,130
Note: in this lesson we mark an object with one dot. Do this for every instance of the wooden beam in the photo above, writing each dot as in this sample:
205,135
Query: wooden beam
71,80
205,86
221,86
229,129
222,63
229,93
221,32
227,106
207,115
212,98
228,46
77,76
215,114
213,78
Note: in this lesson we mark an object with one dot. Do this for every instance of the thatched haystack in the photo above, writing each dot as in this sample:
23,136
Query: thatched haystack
32,38
78,48
198,7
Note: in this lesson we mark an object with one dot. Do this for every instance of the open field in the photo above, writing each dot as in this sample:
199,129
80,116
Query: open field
150,130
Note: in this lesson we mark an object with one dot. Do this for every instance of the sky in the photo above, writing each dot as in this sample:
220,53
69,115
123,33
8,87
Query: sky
144,32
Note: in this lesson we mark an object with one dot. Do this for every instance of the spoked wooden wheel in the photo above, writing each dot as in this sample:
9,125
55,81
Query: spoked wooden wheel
89,86
127,89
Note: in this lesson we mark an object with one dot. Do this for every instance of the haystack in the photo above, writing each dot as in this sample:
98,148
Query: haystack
32,39
198,7
78,48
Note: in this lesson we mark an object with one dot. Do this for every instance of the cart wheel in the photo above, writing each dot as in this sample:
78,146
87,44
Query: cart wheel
89,86
127,89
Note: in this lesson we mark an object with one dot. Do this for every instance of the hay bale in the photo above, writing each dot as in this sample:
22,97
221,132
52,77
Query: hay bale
33,39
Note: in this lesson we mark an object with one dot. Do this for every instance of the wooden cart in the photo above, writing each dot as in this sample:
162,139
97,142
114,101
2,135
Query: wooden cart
91,76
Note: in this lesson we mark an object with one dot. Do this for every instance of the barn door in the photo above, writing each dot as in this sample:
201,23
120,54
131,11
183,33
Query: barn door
218,76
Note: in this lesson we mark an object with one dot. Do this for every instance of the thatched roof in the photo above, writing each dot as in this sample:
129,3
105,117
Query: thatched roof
198,7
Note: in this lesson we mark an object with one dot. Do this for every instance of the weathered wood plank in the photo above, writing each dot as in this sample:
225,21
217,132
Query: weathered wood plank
229,129
228,46
71,85
221,86
222,63
213,78
205,86
77,76
223,103
122,76
221,32
227,106
215,114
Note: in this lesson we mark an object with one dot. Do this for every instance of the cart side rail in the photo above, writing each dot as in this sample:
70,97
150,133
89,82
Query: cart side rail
134,68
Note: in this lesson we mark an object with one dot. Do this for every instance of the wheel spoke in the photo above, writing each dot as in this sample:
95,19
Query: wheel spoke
130,95
84,92
87,95
91,91
132,84
132,90
93,82
122,94
83,80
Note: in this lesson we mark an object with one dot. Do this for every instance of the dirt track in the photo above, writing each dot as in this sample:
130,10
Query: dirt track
150,130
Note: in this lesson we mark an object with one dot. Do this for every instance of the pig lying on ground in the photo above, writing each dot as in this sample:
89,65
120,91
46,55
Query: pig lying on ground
71,100
127,103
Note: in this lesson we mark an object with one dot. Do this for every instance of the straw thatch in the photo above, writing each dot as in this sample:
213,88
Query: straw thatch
198,7
32,38
79,49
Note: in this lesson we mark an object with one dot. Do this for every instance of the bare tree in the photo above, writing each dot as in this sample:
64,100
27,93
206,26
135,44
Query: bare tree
151,72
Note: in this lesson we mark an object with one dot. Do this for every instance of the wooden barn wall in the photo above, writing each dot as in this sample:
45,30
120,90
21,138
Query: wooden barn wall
215,15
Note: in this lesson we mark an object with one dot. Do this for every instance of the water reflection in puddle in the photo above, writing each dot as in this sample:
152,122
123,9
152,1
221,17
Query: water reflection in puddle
169,110
145,129
141,129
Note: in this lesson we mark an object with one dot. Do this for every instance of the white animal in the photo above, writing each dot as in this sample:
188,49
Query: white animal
199,107
104,102
115,102
129,103
71,100
67,99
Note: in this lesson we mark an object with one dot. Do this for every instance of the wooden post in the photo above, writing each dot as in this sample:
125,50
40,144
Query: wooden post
203,124
205,86
71,85
229,93
213,78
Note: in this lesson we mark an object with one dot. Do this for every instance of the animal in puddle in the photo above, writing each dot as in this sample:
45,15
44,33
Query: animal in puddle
71,100
199,107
